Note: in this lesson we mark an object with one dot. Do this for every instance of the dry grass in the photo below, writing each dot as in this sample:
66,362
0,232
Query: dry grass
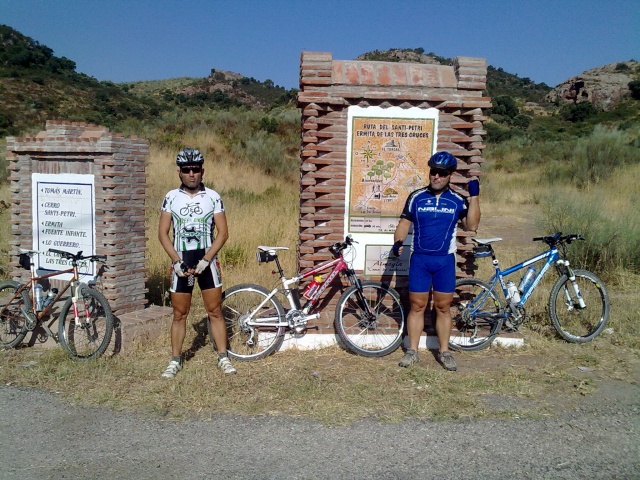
331,385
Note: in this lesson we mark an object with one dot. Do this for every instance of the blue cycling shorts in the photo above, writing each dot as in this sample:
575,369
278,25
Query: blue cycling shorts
438,271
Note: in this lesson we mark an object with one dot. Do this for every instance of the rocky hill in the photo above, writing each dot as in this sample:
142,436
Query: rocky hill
601,86
221,87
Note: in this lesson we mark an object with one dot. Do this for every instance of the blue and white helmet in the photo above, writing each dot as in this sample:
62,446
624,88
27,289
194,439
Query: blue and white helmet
443,160
189,156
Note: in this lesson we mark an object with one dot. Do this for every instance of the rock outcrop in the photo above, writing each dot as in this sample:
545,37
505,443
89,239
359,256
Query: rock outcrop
601,86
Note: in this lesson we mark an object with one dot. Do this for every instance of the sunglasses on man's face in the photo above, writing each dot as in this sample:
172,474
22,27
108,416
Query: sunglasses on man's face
441,173
190,169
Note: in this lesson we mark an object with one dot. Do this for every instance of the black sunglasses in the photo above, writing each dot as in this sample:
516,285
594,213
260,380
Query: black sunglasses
194,169
441,173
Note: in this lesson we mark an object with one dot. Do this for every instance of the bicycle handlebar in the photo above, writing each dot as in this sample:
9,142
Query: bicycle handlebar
558,238
338,247
78,256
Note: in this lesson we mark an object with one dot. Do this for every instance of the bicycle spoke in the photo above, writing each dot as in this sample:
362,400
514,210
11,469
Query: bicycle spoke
374,329
574,321
473,312
250,342
89,336
12,321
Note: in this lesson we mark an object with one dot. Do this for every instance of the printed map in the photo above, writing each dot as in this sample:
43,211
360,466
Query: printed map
388,161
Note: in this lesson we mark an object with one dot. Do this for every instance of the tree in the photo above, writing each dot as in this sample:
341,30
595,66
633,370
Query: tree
505,105
577,112
634,86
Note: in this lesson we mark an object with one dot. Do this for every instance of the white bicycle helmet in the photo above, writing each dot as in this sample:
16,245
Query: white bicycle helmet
189,156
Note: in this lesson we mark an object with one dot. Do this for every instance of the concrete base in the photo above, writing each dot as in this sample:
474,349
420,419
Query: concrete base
429,341
140,326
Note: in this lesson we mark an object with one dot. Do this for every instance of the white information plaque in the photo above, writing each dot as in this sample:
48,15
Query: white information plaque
63,219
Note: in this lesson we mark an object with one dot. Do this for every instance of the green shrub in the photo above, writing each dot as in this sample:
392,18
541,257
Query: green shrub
496,133
634,86
586,160
578,112
595,157
265,151
611,243
233,256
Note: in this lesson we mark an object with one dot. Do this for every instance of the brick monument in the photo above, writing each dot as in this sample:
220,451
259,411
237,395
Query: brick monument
115,167
329,90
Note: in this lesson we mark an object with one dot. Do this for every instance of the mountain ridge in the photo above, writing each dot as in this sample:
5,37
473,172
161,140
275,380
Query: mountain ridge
35,86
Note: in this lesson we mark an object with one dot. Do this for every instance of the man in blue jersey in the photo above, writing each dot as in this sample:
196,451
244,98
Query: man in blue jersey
193,212
434,212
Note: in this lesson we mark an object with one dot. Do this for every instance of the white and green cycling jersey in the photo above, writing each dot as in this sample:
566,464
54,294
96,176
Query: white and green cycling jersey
193,223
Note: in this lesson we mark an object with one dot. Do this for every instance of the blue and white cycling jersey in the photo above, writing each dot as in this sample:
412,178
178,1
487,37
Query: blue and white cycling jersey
193,223
434,219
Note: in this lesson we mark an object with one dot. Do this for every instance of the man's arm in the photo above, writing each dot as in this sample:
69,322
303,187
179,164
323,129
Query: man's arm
472,220
400,235
164,227
222,235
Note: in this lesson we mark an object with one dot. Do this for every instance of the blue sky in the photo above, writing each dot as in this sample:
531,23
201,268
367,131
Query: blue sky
128,40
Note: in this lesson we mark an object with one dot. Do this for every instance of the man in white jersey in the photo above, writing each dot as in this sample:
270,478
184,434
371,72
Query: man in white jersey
193,212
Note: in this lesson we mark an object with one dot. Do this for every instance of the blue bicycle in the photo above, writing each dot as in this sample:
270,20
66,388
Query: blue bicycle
578,304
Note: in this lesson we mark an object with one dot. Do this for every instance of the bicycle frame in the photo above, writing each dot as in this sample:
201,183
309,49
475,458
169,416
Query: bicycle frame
552,258
31,284
35,279
338,265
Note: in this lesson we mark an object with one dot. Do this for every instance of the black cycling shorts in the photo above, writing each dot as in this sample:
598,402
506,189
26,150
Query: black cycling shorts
211,277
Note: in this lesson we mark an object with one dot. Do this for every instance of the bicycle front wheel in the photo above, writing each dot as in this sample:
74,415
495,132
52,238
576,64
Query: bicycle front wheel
476,314
88,336
251,342
574,322
372,329
13,327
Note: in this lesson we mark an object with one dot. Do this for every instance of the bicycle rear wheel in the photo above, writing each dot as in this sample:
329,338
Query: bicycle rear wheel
250,342
89,337
13,327
574,323
475,317
370,336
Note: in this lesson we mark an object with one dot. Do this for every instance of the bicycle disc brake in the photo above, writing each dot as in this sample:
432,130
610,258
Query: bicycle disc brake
296,321
368,320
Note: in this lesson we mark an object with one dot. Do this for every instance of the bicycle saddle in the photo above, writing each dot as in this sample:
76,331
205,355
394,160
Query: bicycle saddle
486,241
271,249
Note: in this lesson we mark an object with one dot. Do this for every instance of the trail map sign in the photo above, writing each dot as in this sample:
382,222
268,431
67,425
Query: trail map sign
63,218
387,154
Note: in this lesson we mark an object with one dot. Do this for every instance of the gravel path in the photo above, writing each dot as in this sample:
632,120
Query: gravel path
44,437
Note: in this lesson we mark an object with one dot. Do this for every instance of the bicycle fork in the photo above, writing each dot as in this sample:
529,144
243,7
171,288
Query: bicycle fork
367,315
571,303
75,290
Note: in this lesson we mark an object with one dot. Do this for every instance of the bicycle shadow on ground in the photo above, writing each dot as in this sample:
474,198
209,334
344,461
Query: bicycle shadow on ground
199,341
